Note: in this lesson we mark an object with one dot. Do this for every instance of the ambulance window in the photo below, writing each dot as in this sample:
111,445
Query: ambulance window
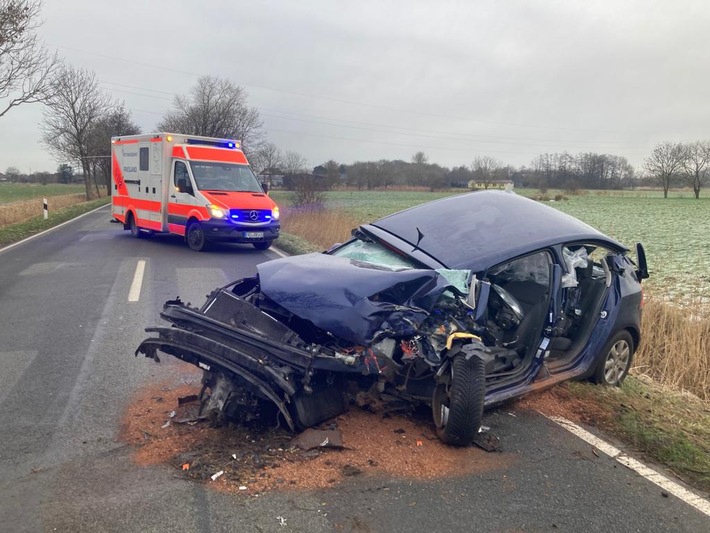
144,158
180,172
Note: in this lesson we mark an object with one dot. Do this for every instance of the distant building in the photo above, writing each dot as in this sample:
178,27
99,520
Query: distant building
495,184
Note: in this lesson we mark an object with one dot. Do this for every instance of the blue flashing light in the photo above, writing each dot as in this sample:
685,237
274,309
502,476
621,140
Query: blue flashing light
230,145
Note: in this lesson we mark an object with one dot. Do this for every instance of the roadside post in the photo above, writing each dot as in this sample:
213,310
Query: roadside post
45,208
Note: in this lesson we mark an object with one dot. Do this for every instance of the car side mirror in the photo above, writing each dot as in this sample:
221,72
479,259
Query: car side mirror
265,186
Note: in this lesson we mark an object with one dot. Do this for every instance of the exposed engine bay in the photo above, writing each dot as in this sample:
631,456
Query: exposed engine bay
292,336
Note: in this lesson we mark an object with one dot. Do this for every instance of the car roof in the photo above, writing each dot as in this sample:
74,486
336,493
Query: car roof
481,229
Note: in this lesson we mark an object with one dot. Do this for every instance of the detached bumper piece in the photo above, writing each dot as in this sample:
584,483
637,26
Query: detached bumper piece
248,358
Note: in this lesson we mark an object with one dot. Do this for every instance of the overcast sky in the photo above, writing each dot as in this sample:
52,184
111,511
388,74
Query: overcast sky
368,80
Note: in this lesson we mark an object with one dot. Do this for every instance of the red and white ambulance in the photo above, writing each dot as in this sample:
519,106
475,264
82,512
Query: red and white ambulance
199,187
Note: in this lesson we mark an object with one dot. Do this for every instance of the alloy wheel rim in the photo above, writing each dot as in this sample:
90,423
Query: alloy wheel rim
616,362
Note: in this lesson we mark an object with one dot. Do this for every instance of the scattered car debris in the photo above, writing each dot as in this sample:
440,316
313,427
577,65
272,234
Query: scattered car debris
464,302
318,438
217,475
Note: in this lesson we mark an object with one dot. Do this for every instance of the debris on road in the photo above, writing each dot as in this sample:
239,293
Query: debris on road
318,438
265,458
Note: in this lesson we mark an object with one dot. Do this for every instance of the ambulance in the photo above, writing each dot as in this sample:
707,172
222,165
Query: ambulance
201,188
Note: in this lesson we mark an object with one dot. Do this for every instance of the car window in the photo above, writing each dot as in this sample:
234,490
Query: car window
373,253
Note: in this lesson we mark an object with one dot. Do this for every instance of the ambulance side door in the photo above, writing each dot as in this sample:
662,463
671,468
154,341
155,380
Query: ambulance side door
182,195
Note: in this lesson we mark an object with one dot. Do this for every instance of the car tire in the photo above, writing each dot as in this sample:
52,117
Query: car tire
262,245
615,360
135,230
457,406
195,237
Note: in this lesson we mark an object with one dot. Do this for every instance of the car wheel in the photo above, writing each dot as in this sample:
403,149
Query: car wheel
135,231
457,406
615,360
195,237
262,245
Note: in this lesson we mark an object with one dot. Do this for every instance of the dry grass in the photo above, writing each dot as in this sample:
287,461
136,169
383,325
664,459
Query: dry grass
320,227
20,211
675,350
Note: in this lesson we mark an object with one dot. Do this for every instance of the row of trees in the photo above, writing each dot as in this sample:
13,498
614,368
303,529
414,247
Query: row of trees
675,164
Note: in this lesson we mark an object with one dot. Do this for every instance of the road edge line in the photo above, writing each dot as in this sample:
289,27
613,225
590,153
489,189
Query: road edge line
688,496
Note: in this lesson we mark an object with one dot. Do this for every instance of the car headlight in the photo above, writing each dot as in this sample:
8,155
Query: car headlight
275,213
216,211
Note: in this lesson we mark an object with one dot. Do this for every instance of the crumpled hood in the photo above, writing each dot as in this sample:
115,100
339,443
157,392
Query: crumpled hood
350,299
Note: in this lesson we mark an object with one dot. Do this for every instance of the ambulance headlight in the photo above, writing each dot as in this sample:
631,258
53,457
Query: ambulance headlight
275,213
216,211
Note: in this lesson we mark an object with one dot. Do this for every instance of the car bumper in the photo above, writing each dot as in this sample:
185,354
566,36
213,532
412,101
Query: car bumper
225,231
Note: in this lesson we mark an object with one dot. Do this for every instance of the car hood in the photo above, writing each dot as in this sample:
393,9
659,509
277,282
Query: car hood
480,229
352,300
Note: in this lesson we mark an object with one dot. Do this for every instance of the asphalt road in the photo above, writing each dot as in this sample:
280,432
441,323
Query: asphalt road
67,372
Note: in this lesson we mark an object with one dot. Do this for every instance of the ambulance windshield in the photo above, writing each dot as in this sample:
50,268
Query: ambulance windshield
224,177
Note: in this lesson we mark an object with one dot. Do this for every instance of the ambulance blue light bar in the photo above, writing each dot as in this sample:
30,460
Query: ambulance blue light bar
219,144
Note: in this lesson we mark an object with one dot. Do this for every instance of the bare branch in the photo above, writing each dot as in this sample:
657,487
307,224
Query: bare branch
26,67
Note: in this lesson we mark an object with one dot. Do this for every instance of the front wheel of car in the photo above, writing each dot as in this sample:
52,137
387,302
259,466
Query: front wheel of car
195,237
615,360
262,245
457,404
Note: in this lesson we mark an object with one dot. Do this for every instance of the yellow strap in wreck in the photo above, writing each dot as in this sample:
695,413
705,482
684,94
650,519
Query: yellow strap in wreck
460,335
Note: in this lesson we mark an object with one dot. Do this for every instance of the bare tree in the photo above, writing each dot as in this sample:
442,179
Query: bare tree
420,158
215,108
26,67
695,165
665,162
486,170
76,106
267,158
294,163
13,174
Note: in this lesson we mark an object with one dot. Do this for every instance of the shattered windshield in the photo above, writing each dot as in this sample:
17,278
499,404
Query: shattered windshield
224,177
375,254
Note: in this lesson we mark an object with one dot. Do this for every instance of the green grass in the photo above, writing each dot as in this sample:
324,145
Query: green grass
17,232
15,192
667,426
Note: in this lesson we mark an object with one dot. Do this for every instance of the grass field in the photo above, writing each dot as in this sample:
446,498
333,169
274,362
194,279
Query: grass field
16,192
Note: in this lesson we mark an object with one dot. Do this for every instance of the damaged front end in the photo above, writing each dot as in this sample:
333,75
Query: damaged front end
291,341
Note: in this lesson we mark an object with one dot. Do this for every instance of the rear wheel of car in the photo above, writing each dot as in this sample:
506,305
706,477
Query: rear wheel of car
615,360
135,230
195,237
457,406
262,245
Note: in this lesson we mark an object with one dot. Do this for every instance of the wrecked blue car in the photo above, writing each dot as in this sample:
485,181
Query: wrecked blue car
460,303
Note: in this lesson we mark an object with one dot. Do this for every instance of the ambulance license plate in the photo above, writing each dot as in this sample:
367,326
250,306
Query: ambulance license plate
253,234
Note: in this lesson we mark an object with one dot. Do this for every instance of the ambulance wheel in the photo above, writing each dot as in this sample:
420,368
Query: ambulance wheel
262,245
195,237
135,230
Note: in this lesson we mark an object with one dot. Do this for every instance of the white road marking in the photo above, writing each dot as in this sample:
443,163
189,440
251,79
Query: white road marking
278,252
677,490
135,293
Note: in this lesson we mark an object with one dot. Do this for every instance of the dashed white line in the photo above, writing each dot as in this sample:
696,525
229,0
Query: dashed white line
689,497
134,293
278,252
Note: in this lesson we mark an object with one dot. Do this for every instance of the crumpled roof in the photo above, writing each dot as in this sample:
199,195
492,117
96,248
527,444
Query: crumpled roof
350,299
480,229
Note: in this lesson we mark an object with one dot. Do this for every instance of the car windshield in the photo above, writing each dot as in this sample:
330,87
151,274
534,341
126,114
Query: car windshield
224,177
374,254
